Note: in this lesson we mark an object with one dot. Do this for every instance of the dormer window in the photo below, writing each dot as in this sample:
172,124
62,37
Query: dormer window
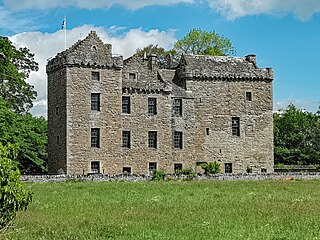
132,76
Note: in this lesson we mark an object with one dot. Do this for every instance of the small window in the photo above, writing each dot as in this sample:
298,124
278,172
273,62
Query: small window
263,170
57,110
95,101
95,167
95,76
207,131
132,76
177,140
152,139
95,137
58,139
249,96
126,170
177,107
235,126
228,167
126,141
152,106
177,167
152,167
126,105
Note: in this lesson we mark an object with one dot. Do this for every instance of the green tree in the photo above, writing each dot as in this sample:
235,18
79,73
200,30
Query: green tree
15,67
296,137
13,196
27,132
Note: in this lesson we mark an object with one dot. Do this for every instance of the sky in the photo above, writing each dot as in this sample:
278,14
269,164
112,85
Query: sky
284,34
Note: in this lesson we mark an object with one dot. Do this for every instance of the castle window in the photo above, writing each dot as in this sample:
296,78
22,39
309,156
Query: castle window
95,167
132,76
249,96
177,107
95,76
177,167
152,106
235,126
126,105
228,167
152,139
58,139
126,141
152,167
57,110
207,131
177,140
95,137
263,170
126,170
95,101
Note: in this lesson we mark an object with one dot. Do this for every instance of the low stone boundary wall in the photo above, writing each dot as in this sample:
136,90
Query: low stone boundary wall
132,178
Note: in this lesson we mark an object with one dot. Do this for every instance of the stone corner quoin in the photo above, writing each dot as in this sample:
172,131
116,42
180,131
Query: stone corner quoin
112,115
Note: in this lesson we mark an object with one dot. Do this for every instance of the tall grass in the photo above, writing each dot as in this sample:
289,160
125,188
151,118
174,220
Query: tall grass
172,210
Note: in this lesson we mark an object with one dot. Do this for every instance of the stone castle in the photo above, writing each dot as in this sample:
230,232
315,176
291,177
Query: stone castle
109,115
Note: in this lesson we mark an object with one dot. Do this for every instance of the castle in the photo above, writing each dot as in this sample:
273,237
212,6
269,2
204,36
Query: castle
109,115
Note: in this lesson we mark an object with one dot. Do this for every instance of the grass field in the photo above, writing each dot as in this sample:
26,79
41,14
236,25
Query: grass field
171,210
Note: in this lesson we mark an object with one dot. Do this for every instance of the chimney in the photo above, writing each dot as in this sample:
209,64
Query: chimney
251,59
152,61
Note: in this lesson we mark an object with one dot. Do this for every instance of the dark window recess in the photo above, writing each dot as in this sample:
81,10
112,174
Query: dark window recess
126,170
152,167
235,126
58,139
177,140
95,76
207,131
95,137
249,96
95,101
228,167
263,170
177,167
177,107
126,139
132,76
152,106
152,139
57,110
95,167
126,105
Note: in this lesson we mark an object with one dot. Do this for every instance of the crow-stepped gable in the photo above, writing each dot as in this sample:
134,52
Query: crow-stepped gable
109,115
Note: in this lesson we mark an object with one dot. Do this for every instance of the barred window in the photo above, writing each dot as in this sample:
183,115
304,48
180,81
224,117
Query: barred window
152,167
152,139
95,76
132,76
235,126
177,107
95,137
126,139
177,140
228,167
152,106
177,167
126,105
95,167
95,101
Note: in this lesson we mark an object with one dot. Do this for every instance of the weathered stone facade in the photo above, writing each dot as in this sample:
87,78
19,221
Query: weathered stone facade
111,115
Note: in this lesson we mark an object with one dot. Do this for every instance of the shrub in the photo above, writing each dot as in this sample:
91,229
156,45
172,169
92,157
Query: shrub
185,171
158,175
13,196
211,167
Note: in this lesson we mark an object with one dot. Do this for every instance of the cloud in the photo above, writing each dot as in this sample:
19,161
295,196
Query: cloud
303,104
88,4
46,45
232,9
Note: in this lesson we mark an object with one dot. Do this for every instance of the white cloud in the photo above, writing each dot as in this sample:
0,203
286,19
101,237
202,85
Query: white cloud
232,9
46,45
303,104
88,4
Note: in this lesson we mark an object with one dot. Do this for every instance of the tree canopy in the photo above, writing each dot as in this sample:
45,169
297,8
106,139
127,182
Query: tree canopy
15,67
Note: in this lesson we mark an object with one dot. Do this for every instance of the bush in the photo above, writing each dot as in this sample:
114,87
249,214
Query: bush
158,175
13,196
185,171
211,167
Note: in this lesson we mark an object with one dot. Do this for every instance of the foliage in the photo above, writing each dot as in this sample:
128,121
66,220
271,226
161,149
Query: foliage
211,167
187,172
158,175
15,67
296,137
29,133
13,197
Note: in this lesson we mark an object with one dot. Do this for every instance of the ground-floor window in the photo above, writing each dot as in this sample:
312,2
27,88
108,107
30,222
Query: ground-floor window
152,167
126,170
263,170
95,167
177,167
228,167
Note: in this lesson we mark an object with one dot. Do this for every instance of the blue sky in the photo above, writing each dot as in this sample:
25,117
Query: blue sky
284,34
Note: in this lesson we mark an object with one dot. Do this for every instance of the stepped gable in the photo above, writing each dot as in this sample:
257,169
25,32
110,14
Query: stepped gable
222,67
89,52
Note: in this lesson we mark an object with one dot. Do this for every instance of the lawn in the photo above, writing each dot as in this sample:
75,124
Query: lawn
171,210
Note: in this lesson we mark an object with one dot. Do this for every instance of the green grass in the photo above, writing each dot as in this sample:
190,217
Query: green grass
171,210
